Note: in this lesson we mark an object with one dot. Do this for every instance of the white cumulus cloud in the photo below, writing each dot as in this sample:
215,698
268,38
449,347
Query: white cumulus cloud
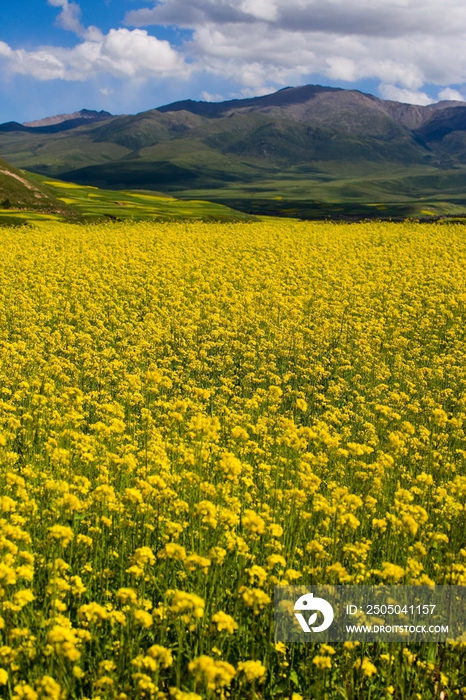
451,94
362,17
41,64
403,43
413,97
256,46
260,9
69,17
122,53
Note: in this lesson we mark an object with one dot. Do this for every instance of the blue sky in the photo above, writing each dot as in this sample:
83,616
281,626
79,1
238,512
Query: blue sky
126,56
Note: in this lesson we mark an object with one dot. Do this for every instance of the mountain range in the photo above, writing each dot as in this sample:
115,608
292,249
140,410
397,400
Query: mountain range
60,122
309,151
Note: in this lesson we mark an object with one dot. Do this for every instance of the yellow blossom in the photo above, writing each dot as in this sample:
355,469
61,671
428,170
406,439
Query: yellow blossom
366,666
252,670
224,622
93,612
61,534
253,523
322,662
215,674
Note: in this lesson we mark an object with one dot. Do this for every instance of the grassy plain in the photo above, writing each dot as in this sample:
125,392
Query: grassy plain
191,414
344,191
91,204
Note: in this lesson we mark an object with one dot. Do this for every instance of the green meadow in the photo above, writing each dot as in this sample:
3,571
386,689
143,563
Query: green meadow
345,191
87,204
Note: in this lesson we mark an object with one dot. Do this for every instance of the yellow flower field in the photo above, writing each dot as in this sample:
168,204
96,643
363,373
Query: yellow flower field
193,413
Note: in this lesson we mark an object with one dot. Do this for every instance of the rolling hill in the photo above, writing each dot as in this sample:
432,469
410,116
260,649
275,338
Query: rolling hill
310,151
18,191
26,198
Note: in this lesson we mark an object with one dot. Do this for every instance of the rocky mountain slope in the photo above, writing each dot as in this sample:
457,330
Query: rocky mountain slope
60,122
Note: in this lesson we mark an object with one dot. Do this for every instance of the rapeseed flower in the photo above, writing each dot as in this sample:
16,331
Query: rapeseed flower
224,622
215,674
191,415
252,670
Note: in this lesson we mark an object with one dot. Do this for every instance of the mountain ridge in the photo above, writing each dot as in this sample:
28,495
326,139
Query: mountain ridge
57,123
85,114
408,114
309,143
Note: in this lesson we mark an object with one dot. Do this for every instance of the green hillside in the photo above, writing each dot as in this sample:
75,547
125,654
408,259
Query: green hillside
28,198
94,204
18,190
22,193
310,152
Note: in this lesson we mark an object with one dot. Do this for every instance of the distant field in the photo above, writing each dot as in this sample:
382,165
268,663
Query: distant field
338,191
352,196
93,204
347,191
192,414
